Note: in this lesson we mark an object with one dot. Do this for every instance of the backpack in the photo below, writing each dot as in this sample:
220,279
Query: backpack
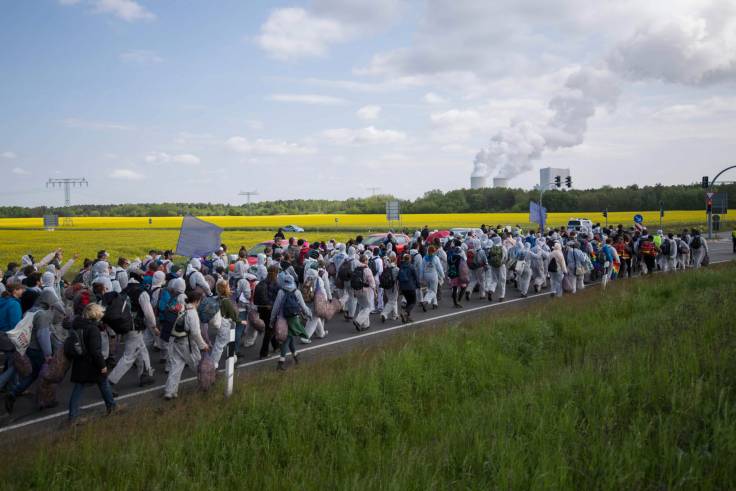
386,280
552,268
166,304
666,247
682,247
601,256
696,243
452,262
291,306
344,273
496,256
356,279
74,344
260,294
406,282
118,313
134,291
208,308
307,289
187,285
331,270
472,259
373,265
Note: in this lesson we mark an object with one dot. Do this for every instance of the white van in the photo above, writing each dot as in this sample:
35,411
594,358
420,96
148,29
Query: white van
579,225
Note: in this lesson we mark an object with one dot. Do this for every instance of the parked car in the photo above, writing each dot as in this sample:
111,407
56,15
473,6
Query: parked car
580,225
463,232
375,240
293,228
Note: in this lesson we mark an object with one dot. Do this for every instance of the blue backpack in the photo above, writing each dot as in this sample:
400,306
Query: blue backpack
166,304
291,307
406,282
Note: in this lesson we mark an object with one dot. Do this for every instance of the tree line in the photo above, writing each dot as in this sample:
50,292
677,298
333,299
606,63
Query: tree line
489,200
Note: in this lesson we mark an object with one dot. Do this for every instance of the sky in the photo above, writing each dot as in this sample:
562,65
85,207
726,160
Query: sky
163,100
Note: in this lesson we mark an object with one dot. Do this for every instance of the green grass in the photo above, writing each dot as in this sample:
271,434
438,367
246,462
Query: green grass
633,389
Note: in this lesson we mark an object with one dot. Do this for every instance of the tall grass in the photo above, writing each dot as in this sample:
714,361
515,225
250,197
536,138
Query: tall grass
633,389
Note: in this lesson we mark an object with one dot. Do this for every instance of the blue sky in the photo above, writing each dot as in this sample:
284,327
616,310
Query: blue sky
156,100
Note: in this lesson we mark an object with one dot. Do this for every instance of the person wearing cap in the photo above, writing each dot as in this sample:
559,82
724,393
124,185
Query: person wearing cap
45,312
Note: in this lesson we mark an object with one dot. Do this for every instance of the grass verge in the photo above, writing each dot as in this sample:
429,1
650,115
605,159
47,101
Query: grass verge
633,389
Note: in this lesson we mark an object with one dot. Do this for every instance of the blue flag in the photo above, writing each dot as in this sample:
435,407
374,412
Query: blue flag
537,214
197,238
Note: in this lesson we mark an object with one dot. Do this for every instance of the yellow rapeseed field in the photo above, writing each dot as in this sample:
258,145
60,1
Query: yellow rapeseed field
438,221
135,236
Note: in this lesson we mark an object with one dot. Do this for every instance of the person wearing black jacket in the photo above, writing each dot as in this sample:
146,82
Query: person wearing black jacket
264,297
89,368
408,284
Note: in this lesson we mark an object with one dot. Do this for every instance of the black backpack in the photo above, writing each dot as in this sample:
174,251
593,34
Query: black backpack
666,247
356,279
696,243
345,273
134,292
552,265
187,286
386,280
118,313
74,344
260,295
372,265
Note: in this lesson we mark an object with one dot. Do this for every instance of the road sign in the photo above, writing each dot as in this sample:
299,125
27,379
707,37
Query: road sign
720,203
50,221
638,218
709,195
393,211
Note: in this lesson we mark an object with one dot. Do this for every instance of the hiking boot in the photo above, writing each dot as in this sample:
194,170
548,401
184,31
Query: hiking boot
357,326
490,297
281,366
9,403
408,319
403,318
169,397
296,358
424,306
305,340
467,296
457,305
145,380
501,299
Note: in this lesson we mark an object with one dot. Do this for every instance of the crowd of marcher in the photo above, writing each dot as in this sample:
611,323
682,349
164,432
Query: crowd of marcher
114,316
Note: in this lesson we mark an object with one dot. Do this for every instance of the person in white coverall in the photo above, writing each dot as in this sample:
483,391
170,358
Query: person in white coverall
378,264
259,269
556,276
524,258
477,267
187,344
195,277
391,307
135,350
496,274
316,325
365,297
578,265
416,262
350,300
698,249
432,275
158,284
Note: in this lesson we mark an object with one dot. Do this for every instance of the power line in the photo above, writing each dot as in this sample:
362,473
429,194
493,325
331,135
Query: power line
248,195
374,190
67,183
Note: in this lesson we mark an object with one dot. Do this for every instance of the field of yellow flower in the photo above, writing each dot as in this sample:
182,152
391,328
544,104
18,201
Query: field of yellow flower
354,222
133,236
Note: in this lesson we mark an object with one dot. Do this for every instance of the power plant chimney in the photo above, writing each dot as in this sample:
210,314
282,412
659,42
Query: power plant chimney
478,182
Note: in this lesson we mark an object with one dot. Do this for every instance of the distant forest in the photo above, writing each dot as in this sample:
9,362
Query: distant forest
629,198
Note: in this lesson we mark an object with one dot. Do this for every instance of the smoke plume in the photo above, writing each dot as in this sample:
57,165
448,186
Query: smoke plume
512,150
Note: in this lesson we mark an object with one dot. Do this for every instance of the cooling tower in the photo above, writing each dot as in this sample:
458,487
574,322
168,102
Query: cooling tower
478,182
500,182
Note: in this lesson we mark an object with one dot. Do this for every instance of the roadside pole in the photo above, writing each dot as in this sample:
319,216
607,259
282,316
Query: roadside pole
230,363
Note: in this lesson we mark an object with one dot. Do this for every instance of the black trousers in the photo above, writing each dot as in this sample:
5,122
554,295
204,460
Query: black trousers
268,337
411,300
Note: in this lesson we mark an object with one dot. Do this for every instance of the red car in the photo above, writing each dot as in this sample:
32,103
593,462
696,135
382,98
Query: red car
375,240
259,248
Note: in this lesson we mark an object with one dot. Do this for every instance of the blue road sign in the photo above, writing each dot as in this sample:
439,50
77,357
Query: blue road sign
638,218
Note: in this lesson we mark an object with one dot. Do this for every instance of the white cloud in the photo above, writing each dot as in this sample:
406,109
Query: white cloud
315,99
369,135
128,10
294,32
95,125
126,175
158,158
9,155
368,113
19,172
141,57
263,146
432,98
69,2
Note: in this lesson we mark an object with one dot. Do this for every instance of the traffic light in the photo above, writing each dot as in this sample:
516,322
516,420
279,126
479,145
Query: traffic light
558,181
705,182
568,181
709,206
605,213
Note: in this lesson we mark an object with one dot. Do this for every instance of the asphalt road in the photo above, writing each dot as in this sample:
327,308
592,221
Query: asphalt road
27,419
